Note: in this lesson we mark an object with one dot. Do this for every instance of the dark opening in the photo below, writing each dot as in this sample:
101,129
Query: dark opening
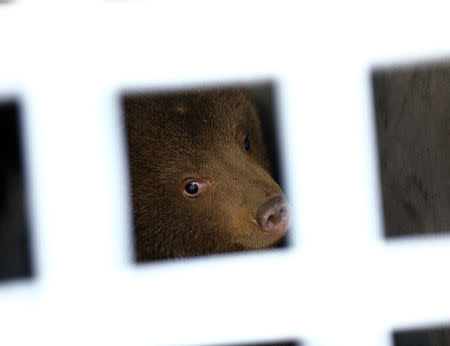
15,260
412,114
422,337
267,343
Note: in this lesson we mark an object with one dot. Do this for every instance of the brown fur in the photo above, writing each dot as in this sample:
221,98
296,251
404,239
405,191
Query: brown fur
196,135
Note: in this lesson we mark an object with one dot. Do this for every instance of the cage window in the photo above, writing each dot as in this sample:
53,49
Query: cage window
413,126
205,174
422,337
15,259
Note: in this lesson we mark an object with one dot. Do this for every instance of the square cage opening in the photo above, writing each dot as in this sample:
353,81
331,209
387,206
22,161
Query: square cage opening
205,171
413,125
437,336
15,257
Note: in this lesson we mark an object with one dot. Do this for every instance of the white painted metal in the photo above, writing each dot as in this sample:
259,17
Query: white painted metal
341,284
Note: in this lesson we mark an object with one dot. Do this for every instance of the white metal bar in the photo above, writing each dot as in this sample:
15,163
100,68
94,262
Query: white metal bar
341,284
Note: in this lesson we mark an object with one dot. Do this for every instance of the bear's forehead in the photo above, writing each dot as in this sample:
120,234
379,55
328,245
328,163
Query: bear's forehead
204,106
200,120
199,112
189,132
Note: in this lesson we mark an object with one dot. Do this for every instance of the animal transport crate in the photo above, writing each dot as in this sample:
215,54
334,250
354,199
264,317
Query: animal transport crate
340,281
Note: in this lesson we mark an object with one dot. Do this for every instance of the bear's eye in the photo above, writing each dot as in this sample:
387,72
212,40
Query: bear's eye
246,144
194,187
191,188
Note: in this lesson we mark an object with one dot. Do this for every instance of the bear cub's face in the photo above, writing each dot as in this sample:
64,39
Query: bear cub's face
199,176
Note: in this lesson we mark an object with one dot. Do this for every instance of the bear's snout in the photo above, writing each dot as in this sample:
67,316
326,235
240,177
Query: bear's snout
274,216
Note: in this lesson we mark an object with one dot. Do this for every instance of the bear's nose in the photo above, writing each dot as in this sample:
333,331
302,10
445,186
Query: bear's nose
274,216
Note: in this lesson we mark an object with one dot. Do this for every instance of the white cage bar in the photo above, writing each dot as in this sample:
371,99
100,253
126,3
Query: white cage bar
339,284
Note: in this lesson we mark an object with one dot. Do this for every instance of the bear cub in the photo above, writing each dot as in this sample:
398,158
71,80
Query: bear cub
199,175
